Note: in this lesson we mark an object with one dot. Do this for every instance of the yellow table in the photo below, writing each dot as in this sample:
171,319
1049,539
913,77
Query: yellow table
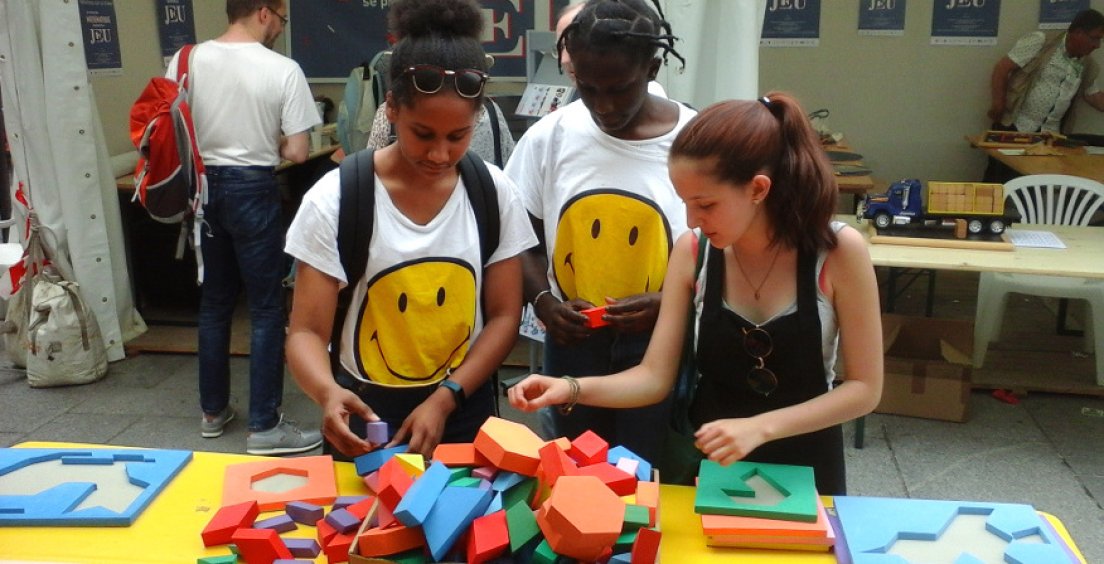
168,530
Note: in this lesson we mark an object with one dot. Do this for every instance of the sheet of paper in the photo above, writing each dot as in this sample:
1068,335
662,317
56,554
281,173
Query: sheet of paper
1012,152
1041,239
1094,150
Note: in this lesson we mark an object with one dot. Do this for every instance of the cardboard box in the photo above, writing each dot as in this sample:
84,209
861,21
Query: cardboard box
928,367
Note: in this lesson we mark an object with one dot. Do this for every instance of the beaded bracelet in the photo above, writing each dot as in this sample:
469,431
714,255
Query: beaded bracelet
566,408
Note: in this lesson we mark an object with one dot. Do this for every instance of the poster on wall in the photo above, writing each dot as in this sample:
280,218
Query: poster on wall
1057,14
881,17
965,22
328,38
175,25
100,29
791,23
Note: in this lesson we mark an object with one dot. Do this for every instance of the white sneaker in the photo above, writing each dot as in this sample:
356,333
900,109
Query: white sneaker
284,438
211,427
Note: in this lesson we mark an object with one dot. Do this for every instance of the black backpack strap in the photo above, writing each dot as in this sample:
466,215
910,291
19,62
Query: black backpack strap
484,199
355,218
496,134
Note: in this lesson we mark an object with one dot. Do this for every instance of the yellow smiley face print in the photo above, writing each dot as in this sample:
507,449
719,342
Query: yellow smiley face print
610,243
416,321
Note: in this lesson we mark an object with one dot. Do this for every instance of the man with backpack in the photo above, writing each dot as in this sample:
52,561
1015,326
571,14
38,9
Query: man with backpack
251,107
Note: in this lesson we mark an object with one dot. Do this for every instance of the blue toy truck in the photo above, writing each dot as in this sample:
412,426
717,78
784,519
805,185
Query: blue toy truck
980,204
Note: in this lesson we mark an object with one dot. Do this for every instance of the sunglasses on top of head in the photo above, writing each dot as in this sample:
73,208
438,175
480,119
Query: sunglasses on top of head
429,79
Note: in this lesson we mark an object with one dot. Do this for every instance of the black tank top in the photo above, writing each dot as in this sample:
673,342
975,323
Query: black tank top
797,360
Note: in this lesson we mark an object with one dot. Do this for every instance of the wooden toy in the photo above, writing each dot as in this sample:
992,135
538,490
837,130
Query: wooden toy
489,538
509,446
756,489
228,519
274,482
951,531
588,448
594,317
581,518
455,511
82,487
376,432
620,482
394,480
646,548
981,205
419,499
303,548
279,523
259,545
304,513
459,454
371,461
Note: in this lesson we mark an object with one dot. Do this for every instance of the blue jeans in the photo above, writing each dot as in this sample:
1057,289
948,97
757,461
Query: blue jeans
639,429
243,245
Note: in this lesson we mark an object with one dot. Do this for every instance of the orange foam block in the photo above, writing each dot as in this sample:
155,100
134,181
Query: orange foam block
510,446
459,454
385,542
554,463
260,545
320,486
582,518
393,482
338,548
228,519
615,479
647,494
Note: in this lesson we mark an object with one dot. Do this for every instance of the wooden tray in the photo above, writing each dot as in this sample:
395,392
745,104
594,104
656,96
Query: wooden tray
937,236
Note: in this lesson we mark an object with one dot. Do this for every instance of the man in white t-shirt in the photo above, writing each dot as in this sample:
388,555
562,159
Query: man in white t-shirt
251,108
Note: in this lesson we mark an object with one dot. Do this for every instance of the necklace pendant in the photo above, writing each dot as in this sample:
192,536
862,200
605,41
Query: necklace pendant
757,295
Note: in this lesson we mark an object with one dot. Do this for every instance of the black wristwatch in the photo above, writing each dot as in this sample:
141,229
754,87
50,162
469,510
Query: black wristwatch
457,392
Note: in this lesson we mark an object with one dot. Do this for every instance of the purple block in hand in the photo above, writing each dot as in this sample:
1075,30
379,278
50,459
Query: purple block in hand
279,523
376,432
303,512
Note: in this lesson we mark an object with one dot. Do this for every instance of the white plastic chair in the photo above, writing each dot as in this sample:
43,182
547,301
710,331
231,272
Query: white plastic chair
1045,199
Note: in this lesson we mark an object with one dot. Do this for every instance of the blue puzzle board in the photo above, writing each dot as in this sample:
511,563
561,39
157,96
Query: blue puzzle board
872,525
82,487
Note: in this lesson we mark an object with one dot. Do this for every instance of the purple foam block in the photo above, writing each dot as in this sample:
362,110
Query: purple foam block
376,432
279,523
342,520
346,500
304,512
303,548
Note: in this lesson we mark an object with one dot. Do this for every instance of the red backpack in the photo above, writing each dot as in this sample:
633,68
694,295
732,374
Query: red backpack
170,180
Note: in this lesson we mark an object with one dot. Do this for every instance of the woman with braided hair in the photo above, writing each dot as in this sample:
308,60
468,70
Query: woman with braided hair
594,178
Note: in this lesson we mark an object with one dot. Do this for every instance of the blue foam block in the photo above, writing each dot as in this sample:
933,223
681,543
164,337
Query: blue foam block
872,525
418,500
643,470
69,499
371,461
449,519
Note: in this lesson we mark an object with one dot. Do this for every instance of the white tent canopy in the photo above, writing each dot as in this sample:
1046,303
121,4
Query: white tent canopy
60,156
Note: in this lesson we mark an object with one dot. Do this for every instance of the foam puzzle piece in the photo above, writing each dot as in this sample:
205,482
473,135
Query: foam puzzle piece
647,494
509,446
362,508
325,532
522,525
320,485
524,492
220,559
343,521
303,548
337,550
82,487
489,538
259,545
394,481
588,448
554,463
645,549
459,454
506,480
279,523
544,554
341,502
622,558
720,487
873,525
620,482
287,561
643,467
228,519
415,506
737,525
376,432
451,516
371,461
304,513
636,517
412,462
582,518
377,542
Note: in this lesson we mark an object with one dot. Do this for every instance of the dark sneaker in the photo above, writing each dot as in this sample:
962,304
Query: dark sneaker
211,426
284,438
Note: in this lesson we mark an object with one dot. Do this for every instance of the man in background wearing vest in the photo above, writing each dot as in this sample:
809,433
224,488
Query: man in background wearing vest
251,107
1032,87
